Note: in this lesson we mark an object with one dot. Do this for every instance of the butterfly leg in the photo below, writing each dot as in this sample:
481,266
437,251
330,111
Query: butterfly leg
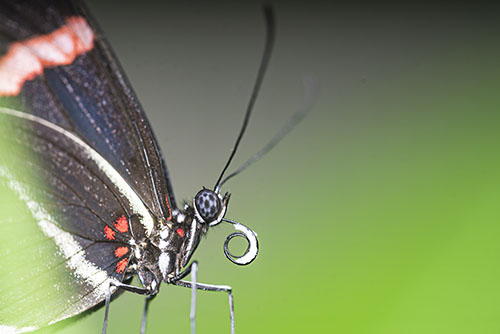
145,313
192,313
131,288
206,287
193,269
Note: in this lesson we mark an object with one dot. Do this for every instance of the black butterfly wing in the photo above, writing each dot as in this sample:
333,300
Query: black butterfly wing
90,97
78,207
79,155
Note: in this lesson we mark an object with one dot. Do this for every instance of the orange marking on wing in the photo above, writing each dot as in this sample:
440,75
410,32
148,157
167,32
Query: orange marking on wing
121,224
25,60
109,233
180,232
120,251
169,210
121,265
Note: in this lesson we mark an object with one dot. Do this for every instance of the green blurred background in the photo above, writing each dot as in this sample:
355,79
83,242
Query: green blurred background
379,213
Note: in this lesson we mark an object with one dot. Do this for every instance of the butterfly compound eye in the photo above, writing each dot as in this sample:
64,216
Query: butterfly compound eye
207,204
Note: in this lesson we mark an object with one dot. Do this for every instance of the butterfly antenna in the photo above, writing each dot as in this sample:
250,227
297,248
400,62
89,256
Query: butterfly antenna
266,57
311,88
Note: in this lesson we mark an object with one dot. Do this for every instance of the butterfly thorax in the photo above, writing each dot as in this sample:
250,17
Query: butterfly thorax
162,255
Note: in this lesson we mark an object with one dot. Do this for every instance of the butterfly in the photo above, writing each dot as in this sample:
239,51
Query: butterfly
80,156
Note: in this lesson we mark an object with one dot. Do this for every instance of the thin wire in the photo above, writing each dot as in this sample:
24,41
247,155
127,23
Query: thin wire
311,89
266,57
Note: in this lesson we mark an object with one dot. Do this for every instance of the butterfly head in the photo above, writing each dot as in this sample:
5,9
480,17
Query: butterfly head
210,207
208,210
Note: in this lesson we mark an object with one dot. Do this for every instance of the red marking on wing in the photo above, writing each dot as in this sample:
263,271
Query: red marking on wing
121,265
26,59
169,210
180,232
121,224
120,251
109,233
